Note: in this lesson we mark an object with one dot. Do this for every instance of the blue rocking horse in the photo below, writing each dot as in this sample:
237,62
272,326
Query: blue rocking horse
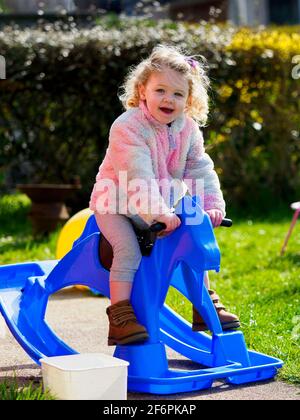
179,260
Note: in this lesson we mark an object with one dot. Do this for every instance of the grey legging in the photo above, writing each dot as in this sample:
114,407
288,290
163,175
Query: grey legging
119,232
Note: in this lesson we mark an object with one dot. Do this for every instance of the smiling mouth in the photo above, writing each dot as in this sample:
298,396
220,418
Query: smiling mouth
166,110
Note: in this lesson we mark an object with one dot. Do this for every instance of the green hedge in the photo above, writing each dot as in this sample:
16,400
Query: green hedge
60,98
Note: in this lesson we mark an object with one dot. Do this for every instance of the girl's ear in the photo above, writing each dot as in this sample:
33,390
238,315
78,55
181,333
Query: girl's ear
188,103
141,89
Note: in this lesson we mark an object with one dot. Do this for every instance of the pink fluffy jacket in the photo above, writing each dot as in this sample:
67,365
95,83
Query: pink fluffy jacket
146,153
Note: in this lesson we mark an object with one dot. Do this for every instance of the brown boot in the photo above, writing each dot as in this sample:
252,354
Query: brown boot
228,321
123,325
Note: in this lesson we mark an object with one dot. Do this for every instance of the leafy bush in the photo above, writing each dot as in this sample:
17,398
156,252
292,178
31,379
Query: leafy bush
60,98
257,118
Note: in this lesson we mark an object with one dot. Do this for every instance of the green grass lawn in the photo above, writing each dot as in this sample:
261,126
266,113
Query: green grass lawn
261,287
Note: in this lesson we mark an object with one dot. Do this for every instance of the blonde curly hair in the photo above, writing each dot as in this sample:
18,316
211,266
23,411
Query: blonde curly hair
190,67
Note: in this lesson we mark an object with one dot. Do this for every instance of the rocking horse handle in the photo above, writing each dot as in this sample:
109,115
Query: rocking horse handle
226,223
157,227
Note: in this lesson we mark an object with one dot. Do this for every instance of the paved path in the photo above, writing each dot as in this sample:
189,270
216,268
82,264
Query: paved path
80,319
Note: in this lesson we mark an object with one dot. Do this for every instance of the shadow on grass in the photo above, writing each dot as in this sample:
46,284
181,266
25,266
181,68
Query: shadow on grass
287,259
285,294
14,226
268,214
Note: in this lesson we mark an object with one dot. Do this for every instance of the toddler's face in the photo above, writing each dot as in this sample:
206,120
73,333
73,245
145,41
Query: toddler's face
166,95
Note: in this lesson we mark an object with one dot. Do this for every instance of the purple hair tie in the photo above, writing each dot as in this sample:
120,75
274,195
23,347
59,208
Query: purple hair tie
193,63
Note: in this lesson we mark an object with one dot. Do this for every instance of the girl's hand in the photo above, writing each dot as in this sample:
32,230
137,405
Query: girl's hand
216,217
171,221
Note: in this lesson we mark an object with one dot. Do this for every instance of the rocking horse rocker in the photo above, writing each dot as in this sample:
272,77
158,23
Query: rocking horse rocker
179,260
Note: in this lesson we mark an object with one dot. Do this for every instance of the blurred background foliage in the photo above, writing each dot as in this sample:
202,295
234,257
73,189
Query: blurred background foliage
60,98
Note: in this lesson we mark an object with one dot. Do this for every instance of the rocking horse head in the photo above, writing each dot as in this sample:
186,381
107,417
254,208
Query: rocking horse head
194,241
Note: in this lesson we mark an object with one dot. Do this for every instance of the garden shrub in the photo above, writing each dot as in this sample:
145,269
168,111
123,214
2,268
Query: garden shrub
60,98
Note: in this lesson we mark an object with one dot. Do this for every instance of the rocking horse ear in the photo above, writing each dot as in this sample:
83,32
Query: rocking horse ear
197,200
190,210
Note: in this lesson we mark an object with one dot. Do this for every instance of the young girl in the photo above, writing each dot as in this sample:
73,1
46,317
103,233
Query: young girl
157,138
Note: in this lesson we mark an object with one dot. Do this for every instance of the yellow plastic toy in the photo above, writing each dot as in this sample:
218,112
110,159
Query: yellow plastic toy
70,232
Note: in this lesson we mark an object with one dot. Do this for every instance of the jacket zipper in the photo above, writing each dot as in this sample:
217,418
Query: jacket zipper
172,141
172,145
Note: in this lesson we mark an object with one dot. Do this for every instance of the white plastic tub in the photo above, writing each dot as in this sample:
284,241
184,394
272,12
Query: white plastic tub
86,376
